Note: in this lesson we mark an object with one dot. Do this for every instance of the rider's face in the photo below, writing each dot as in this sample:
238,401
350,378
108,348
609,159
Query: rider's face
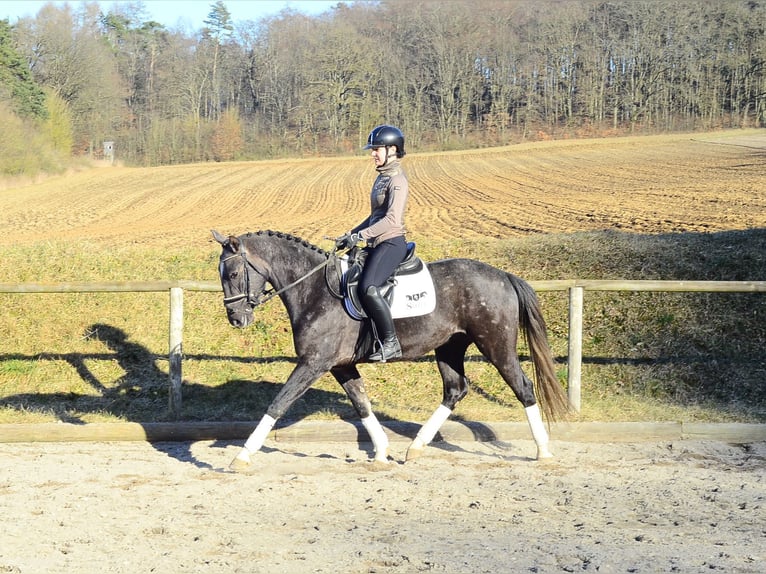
379,155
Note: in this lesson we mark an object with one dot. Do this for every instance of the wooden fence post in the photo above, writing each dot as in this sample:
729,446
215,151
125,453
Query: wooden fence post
175,344
574,360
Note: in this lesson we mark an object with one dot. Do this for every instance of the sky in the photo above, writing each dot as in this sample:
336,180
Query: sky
180,13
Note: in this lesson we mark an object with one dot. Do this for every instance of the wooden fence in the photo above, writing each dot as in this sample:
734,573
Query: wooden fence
575,287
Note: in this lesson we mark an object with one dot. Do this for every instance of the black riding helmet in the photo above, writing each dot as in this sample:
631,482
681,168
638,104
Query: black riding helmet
383,136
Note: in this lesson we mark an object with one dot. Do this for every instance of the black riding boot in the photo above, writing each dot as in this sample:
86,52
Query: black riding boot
379,311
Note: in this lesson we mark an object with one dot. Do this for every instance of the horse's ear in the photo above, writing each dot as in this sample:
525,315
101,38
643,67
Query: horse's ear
218,237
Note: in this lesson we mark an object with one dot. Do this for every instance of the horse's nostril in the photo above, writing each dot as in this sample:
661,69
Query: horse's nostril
239,321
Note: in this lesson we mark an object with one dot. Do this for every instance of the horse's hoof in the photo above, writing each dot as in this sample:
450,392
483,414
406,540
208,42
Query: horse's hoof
381,457
544,454
378,464
239,465
413,453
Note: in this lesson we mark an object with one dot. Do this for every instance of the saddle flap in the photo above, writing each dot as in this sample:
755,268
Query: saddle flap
351,298
409,291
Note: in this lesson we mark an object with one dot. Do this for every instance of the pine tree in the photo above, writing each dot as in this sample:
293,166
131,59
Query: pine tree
16,84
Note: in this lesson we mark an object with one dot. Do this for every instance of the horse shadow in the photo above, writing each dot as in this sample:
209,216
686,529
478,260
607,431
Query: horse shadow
140,393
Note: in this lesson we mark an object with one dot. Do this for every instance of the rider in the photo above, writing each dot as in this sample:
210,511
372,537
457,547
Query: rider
383,232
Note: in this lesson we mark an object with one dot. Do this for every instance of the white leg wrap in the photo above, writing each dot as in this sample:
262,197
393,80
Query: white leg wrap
428,431
538,431
258,436
377,435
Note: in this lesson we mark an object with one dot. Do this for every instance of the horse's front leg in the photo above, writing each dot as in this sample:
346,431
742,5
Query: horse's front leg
299,381
351,381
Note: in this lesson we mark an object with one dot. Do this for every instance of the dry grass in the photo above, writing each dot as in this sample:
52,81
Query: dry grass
636,208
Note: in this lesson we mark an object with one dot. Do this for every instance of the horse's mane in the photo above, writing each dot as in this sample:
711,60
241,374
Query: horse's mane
288,237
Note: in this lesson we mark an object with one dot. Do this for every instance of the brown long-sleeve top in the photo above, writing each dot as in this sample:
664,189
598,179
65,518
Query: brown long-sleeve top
388,202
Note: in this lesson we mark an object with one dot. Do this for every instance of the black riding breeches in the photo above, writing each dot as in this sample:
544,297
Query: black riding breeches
381,262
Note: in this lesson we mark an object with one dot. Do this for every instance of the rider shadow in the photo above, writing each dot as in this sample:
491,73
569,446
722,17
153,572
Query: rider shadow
140,393
141,386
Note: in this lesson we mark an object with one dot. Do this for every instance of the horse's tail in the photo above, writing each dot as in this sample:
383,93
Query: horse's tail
549,392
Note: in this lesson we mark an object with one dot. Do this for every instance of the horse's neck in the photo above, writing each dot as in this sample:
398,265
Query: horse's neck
290,263
288,266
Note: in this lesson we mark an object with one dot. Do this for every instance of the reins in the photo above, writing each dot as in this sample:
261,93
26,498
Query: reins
266,294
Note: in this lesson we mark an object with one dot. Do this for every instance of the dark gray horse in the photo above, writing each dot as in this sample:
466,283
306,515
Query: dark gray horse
476,303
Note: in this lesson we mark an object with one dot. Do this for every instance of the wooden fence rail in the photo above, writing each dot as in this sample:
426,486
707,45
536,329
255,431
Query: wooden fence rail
575,287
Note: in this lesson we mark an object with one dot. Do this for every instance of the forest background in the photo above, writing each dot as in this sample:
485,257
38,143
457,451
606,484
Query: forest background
452,75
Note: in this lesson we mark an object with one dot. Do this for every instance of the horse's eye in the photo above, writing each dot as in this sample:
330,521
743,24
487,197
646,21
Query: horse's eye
233,275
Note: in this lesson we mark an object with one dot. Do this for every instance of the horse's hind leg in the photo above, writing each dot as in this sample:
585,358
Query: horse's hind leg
351,381
535,420
506,361
450,360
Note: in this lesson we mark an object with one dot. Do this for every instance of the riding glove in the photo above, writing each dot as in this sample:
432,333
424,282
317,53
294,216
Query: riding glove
347,241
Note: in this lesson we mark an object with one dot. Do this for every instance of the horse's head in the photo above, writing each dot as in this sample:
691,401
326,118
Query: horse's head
240,279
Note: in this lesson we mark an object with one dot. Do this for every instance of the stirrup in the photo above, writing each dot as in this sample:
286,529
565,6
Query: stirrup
388,350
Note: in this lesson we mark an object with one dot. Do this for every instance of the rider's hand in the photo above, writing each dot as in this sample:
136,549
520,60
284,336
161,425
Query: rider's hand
347,240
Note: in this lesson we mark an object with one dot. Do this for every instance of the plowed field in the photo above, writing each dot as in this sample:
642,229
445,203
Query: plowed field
653,184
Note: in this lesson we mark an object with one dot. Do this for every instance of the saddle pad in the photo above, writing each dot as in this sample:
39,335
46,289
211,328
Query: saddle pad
413,294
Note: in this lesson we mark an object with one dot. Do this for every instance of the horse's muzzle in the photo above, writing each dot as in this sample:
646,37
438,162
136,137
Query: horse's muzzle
240,320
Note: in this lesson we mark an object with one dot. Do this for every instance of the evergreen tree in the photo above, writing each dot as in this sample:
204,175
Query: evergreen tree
16,84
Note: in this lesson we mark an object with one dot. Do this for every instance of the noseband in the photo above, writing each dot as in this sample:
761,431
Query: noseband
251,298
265,294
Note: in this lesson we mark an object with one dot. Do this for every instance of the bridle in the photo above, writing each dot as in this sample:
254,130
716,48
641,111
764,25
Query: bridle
265,294
247,294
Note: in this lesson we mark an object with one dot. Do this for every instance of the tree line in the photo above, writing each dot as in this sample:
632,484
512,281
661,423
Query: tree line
451,74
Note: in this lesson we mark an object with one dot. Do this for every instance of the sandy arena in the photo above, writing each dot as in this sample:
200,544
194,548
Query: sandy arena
133,507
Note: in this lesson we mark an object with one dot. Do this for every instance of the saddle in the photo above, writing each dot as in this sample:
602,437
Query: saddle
409,291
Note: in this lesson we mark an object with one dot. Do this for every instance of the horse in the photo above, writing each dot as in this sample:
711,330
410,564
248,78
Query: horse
476,303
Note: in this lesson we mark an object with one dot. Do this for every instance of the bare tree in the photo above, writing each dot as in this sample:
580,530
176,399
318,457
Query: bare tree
66,53
450,74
